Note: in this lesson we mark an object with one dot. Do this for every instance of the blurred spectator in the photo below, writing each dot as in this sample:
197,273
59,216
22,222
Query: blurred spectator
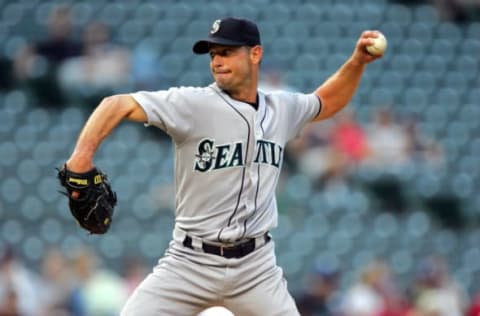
420,148
388,141
19,287
435,293
375,294
452,10
327,152
56,284
474,308
102,69
7,77
349,139
310,152
9,306
36,65
147,68
320,297
99,292
134,273
271,79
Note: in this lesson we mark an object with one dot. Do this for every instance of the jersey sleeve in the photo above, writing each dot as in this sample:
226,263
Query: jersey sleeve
168,110
302,108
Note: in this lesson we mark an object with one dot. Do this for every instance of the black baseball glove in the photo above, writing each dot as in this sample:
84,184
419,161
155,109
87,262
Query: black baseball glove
93,204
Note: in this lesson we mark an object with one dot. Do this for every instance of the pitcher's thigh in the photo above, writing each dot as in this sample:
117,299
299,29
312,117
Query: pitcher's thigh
268,298
164,293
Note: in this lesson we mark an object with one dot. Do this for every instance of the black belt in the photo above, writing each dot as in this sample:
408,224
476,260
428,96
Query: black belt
236,251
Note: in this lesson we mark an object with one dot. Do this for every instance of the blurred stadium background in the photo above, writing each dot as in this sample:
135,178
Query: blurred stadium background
401,213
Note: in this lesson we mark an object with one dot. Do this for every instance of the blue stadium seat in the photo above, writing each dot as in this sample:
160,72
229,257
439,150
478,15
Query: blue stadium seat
325,30
9,153
309,13
196,29
410,45
393,31
28,171
456,80
467,65
340,12
444,48
32,209
245,10
403,64
468,116
283,51
82,13
11,190
33,249
111,247
201,63
51,229
298,30
470,46
12,231
132,32
113,14
382,96
277,12
421,30
148,12
179,13
307,62
268,30
448,97
195,78
211,12
371,13
165,31
174,65
399,13
435,64
393,80
449,31
424,80
426,13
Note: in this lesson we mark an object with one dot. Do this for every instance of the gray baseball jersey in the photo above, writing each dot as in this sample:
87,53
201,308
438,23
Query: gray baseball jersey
228,155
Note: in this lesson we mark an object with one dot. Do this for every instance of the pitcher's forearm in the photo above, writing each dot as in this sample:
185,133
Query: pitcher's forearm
339,89
109,113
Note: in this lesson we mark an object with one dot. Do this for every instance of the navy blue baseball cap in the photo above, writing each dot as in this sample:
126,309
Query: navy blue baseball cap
229,32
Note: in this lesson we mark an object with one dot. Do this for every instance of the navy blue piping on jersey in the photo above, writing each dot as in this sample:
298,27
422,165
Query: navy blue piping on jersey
258,181
319,107
244,167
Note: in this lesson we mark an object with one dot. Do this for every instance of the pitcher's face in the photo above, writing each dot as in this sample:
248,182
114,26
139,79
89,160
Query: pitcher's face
232,66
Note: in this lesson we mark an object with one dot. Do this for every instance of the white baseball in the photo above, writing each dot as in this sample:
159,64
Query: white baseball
379,45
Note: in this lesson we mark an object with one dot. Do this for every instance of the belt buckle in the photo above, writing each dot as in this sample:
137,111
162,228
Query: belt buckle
221,250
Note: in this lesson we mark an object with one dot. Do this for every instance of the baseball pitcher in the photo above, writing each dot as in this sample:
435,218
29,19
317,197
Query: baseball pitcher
229,142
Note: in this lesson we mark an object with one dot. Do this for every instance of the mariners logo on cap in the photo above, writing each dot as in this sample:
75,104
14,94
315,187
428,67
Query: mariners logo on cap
215,26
